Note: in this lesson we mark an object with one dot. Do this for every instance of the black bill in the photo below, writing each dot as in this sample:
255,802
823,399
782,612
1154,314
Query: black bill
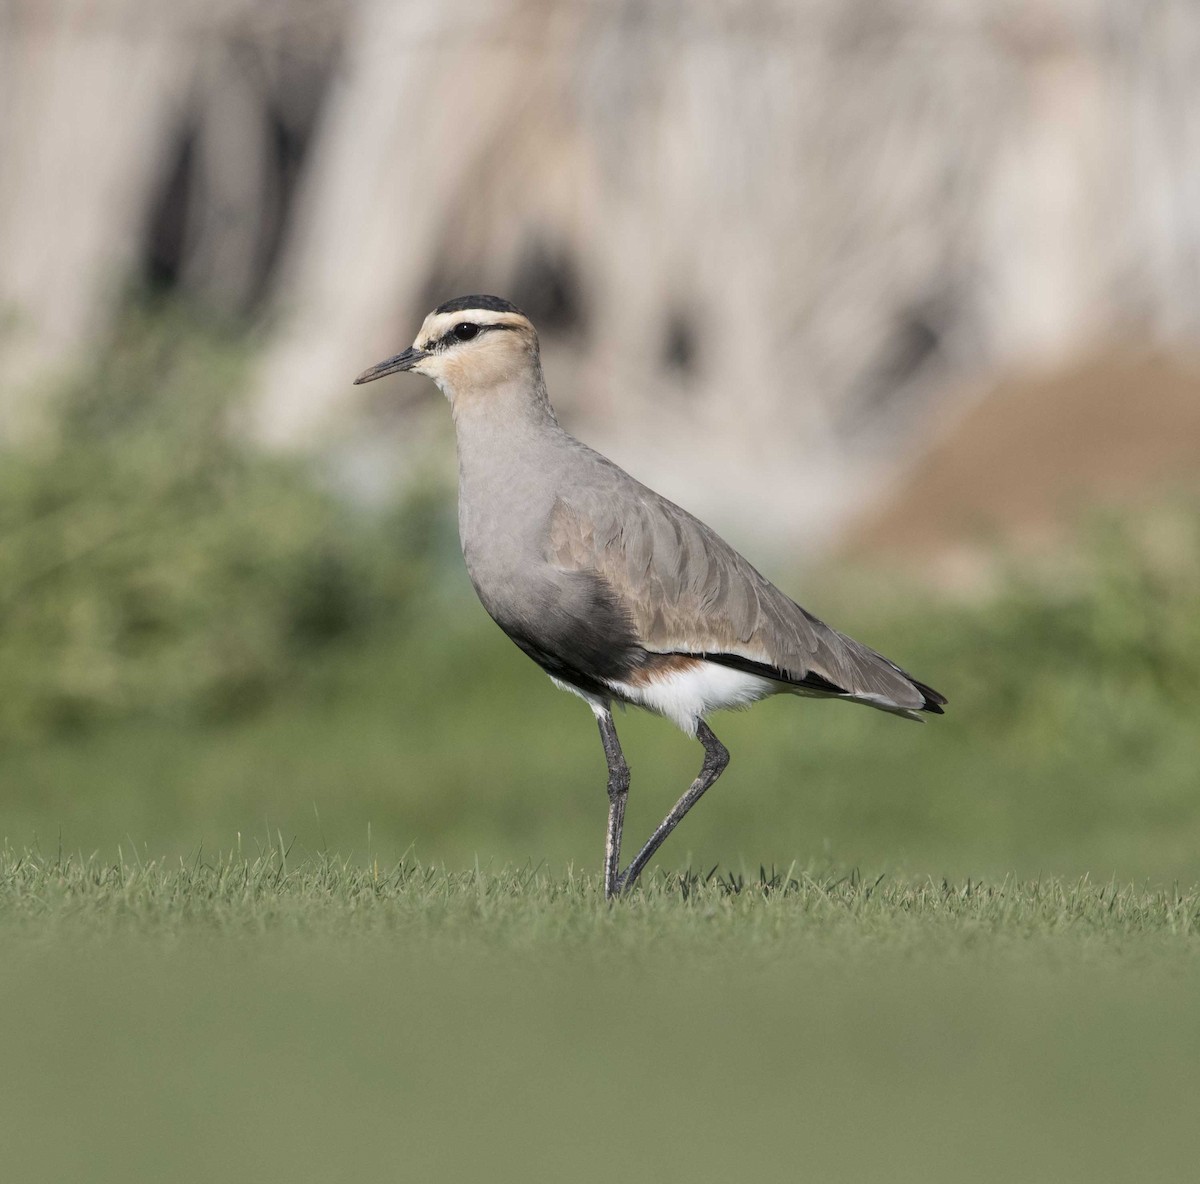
405,361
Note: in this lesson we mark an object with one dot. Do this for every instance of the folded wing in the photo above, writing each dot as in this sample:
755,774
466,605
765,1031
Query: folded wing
686,591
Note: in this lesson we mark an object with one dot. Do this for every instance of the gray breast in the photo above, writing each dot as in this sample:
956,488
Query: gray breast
570,622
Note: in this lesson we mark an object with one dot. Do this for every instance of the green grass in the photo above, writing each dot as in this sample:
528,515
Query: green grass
269,1018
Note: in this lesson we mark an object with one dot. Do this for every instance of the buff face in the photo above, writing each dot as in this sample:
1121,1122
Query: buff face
474,349
464,347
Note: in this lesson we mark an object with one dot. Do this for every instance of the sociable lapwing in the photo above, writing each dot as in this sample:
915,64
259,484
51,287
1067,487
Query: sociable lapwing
617,593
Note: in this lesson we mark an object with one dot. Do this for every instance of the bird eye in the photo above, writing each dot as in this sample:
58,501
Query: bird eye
465,331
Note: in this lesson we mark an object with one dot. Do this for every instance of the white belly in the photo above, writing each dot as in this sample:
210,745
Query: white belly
687,696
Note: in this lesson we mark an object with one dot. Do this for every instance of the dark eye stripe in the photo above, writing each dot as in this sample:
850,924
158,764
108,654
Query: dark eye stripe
448,338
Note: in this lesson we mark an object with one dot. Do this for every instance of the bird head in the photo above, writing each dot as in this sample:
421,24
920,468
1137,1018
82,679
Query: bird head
471,343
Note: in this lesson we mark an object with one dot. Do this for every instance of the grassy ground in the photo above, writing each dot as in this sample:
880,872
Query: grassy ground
255,1018
312,1017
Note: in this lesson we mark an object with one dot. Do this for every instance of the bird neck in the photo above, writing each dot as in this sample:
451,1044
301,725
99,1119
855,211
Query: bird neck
510,408
507,437
509,450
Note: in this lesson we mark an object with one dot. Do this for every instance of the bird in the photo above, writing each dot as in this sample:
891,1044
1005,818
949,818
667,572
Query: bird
621,596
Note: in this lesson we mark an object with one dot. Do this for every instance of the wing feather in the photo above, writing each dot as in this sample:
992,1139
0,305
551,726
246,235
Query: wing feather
686,591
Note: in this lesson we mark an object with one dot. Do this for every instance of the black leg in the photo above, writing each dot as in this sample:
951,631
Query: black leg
618,791
716,757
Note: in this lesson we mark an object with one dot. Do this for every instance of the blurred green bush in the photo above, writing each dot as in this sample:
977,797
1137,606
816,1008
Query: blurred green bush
152,563
1115,615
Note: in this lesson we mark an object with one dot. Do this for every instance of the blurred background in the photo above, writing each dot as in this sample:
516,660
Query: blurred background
904,298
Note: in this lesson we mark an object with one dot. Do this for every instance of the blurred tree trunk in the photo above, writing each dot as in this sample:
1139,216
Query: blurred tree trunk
137,144
86,108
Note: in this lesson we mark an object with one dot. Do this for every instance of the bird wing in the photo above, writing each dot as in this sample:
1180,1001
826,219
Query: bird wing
687,591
